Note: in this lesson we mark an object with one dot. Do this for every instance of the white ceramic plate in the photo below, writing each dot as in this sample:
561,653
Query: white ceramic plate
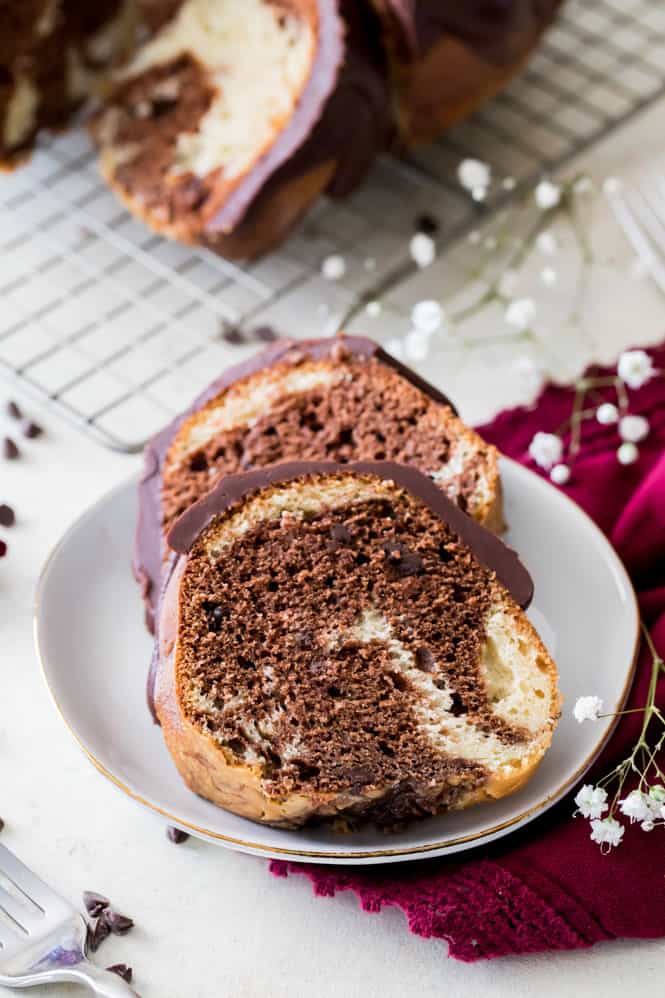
95,654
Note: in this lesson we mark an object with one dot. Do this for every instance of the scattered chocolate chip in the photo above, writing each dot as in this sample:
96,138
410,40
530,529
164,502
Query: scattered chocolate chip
118,924
402,560
2,824
265,334
14,411
7,516
95,903
424,659
9,449
31,430
122,970
98,933
231,334
176,835
3,549
427,224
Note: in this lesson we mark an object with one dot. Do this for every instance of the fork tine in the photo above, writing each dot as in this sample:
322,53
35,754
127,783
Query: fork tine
17,911
29,884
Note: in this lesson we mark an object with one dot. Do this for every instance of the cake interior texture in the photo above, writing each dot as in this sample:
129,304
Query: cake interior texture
341,642
342,408
202,101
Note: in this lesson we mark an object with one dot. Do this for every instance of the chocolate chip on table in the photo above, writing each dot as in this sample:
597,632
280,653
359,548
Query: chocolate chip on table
9,449
2,824
3,548
176,835
265,334
13,410
31,430
7,515
122,970
231,334
98,933
118,924
427,224
95,903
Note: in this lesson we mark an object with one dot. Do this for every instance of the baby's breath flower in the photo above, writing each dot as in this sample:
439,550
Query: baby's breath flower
657,793
509,183
633,428
636,806
661,812
373,309
560,474
548,276
648,825
591,801
546,449
422,249
333,267
427,316
474,237
606,831
474,175
627,453
612,186
587,709
635,367
416,345
521,313
607,413
479,193
547,195
546,243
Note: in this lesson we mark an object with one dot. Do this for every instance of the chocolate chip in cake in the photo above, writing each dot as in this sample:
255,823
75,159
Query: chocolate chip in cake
176,835
31,430
424,659
7,516
98,933
118,924
339,536
13,410
95,903
457,706
122,970
427,224
215,615
9,449
402,560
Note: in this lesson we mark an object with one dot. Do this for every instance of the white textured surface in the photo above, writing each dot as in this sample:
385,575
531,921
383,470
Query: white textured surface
211,923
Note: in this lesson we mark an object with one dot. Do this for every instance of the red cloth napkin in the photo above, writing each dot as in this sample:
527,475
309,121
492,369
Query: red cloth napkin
547,886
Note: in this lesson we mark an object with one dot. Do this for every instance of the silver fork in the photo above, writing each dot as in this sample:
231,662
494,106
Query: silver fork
43,937
639,207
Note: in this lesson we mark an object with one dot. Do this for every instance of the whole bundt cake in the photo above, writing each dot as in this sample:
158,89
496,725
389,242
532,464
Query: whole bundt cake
338,398
342,640
229,118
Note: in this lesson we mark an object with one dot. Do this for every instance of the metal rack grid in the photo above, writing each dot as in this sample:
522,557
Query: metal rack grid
119,328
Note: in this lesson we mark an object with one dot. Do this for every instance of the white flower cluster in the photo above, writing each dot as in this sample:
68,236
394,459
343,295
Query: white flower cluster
645,807
476,177
587,709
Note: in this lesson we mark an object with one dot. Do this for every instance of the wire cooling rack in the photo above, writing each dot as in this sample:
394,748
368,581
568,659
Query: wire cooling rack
119,328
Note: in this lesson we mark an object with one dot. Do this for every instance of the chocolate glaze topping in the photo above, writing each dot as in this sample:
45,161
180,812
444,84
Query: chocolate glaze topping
148,546
490,551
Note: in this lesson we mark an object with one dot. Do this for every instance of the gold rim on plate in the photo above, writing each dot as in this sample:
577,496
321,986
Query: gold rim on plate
207,833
